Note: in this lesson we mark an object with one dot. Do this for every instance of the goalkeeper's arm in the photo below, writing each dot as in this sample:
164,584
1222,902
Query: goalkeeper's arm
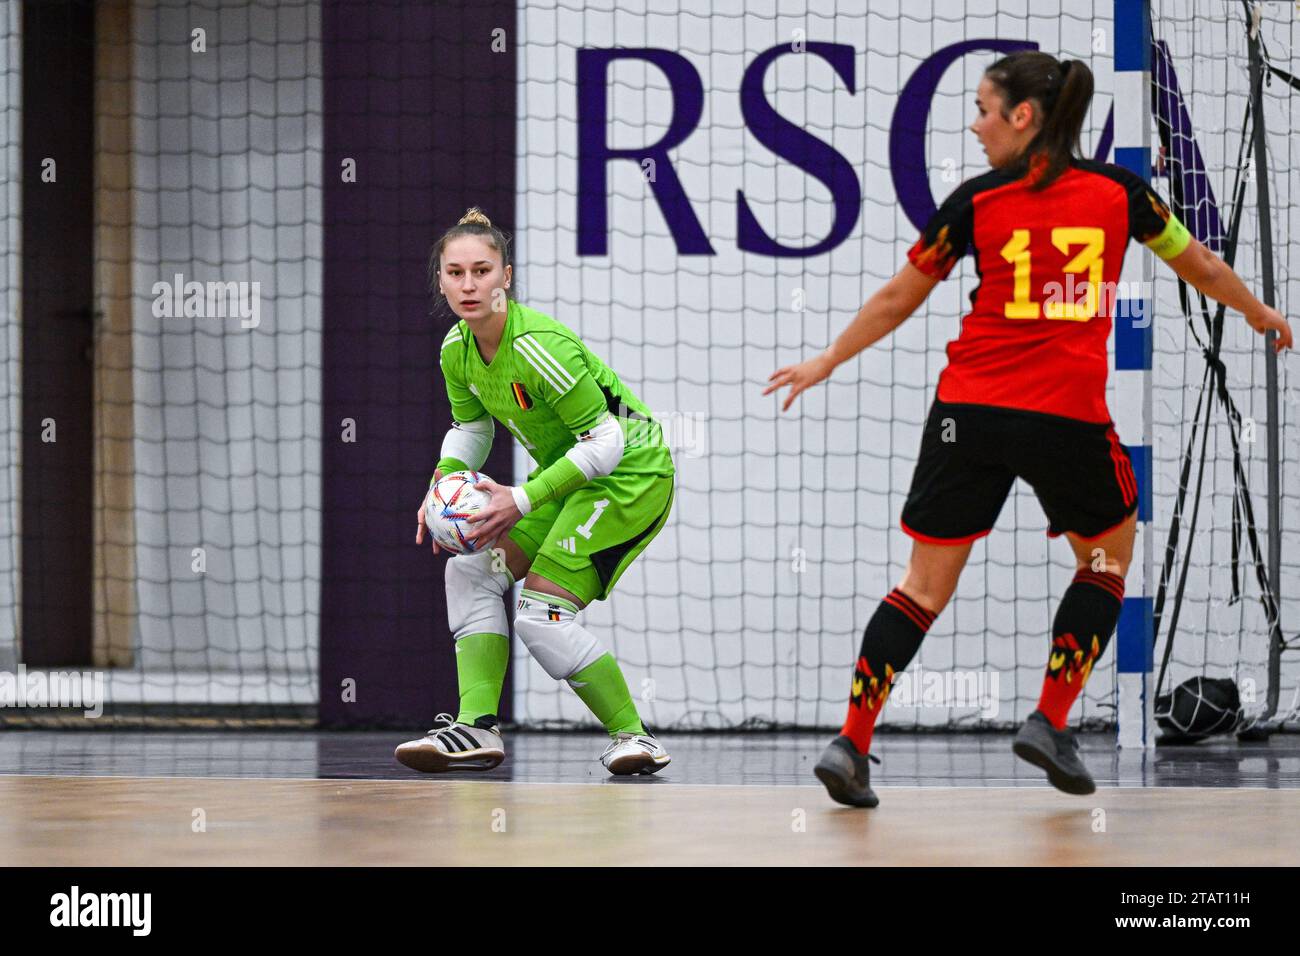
466,445
597,452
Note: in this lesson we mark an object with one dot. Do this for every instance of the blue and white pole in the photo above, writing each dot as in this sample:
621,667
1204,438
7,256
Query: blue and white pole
1134,638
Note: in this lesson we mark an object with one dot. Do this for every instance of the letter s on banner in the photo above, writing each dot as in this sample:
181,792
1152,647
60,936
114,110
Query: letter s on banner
792,143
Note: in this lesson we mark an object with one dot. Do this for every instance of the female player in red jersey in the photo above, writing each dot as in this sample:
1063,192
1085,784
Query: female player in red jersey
1023,394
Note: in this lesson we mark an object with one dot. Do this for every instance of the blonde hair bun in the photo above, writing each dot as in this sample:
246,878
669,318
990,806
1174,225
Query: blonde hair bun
474,216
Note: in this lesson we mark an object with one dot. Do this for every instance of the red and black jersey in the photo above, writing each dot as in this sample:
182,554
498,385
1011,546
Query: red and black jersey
1048,261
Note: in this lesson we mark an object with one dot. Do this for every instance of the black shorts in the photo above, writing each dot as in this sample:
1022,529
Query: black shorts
971,454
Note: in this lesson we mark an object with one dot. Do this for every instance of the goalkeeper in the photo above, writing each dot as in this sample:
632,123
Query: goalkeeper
602,492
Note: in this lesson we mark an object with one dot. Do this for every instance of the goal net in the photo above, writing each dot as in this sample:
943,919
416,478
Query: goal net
1212,422
748,610
704,194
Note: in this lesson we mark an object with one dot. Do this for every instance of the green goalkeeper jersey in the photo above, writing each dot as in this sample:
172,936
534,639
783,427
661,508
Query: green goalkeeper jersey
548,388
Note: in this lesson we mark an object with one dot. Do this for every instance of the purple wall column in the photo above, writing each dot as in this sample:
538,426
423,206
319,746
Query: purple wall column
415,94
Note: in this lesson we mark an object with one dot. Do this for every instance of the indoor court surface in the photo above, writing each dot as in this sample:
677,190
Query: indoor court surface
130,798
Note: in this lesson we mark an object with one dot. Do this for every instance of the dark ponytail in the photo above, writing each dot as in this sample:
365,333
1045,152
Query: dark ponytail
1061,91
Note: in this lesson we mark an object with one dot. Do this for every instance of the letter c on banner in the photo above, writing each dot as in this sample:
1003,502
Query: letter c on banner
907,130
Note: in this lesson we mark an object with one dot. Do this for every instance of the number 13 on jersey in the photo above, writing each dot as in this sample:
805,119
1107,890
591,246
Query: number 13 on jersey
1065,238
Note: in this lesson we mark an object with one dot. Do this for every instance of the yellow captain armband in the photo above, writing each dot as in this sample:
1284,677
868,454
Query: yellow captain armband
1171,241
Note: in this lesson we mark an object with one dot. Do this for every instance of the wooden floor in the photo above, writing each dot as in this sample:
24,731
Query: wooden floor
116,798
126,821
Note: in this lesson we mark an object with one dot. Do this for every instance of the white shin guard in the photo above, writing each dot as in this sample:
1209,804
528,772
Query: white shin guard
475,595
553,635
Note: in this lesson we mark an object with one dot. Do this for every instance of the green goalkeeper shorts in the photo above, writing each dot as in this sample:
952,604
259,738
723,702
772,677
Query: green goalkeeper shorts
586,540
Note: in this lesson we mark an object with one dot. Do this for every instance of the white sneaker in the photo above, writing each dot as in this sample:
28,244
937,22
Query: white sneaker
453,746
634,753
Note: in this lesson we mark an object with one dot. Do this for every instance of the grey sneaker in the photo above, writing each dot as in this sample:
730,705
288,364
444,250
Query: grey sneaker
1055,751
846,774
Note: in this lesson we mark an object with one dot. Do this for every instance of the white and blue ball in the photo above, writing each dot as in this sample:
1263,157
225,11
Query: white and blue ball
452,500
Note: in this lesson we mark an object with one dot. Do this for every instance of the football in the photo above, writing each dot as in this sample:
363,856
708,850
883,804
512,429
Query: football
450,502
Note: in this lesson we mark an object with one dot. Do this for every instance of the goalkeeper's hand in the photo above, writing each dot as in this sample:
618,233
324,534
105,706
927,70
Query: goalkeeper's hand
423,526
498,517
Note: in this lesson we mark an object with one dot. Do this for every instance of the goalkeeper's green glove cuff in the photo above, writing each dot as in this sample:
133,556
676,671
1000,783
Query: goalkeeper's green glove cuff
448,465
554,481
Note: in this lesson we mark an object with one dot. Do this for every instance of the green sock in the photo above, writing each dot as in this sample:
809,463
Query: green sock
603,689
481,661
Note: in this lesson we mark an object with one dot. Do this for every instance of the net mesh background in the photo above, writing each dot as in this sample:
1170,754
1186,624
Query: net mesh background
1216,636
227,176
748,609
224,167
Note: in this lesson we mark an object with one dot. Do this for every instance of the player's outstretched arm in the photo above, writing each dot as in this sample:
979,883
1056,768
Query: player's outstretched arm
885,311
1199,267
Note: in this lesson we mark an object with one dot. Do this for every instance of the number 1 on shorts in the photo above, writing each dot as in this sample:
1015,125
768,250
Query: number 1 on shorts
585,529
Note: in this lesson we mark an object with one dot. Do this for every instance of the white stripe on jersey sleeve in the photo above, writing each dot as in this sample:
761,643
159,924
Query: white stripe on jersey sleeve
561,372
556,374
452,337
541,370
